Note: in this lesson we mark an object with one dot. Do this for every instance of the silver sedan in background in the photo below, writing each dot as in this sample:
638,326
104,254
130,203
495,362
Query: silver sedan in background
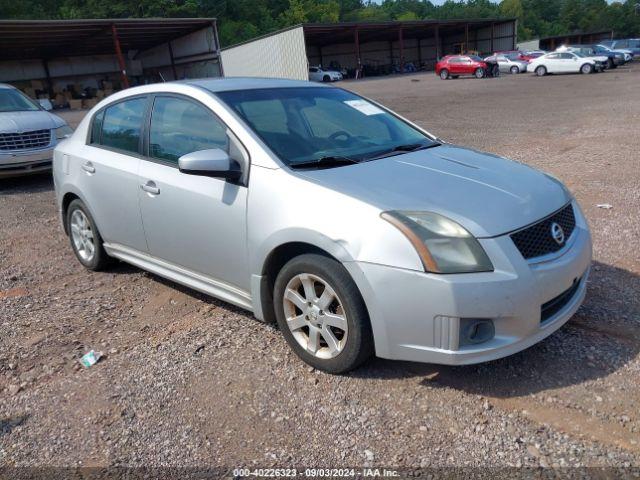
509,62
355,230
28,134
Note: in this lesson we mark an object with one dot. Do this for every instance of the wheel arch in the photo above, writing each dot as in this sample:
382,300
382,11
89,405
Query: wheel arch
277,251
69,196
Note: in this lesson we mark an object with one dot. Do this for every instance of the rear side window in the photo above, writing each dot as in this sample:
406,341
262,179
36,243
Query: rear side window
96,127
121,125
180,126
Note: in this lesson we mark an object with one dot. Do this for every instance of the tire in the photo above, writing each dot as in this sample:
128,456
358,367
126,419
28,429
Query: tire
541,71
326,79
479,73
611,64
586,68
514,70
444,74
304,280
80,238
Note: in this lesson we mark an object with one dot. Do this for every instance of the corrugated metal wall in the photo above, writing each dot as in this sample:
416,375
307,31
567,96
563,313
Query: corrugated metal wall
282,55
194,54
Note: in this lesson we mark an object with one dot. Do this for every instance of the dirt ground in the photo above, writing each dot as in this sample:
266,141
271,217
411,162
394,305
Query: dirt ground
191,381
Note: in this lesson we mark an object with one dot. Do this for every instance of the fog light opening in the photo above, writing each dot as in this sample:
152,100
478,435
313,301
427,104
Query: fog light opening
476,330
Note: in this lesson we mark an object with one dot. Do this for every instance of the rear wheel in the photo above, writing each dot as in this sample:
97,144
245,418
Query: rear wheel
586,68
85,237
444,74
541,71
515,70
479,73
322,314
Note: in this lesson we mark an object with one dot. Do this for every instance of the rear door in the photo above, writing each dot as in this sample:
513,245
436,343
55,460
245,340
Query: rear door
193,221
108,171
552,63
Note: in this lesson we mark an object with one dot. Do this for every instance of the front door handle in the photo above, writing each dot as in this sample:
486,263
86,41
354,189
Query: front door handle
150,187
88,167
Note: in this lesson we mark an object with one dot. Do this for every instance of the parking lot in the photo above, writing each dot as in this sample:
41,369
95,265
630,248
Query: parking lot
191,381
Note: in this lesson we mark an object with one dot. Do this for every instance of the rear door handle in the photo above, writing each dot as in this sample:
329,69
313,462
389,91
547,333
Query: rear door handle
150,187
88,167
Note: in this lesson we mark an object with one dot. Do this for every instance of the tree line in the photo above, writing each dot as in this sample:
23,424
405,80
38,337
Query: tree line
239,20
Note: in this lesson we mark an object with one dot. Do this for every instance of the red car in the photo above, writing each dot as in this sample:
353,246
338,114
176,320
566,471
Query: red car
455,65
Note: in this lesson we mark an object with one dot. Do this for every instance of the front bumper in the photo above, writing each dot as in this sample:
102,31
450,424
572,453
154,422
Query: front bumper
416,316
19,163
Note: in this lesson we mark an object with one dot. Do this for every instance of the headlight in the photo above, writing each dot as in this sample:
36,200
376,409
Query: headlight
63,132
443,245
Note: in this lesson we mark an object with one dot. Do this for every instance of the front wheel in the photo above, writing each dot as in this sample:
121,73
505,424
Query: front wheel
515,70
322,314
541,71
85,238
326,78
586,68
444,74
479,73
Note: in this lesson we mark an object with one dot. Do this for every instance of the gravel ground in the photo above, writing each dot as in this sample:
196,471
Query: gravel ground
191,381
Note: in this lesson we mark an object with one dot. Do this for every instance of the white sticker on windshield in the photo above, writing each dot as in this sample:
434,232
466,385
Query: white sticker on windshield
364,107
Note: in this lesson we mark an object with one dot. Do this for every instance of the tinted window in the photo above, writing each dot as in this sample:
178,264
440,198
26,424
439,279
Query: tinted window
180,126
308,123
96,127
122,123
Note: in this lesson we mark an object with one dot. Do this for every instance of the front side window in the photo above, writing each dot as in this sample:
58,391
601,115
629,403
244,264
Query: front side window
306,124
15,101
121,125
180,126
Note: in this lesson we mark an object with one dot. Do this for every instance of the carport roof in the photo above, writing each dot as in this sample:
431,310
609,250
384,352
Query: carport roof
22,39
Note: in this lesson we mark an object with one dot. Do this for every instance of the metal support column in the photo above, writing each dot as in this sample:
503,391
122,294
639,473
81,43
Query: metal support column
466,38
217,40
356,40
493,28
173,63
437,38
45,64
401,41
123,68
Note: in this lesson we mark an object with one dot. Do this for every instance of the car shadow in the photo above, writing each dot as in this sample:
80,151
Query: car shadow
41,182
601,338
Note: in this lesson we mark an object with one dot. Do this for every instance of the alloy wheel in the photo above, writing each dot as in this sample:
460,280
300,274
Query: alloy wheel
315,315
82,235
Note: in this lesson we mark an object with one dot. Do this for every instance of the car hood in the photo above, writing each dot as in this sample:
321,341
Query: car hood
12,122
487,194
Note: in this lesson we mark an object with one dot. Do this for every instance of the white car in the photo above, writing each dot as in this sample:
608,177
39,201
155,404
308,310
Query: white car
562,62
586,52
318,74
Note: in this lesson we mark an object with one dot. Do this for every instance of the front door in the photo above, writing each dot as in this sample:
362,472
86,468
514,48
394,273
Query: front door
195,222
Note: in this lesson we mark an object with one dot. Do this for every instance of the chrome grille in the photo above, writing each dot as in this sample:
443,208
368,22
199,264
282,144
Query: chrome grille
23,141
536,240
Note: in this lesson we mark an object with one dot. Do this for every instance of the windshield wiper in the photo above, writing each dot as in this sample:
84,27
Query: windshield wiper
412,147
324,162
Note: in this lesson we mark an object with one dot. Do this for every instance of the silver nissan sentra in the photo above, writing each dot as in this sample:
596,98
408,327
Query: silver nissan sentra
355,230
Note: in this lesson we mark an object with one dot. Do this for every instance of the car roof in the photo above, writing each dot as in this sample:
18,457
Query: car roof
6,86
247,83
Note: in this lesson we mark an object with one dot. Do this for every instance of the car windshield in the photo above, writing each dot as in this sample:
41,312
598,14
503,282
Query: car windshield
315,124
14,101
512,56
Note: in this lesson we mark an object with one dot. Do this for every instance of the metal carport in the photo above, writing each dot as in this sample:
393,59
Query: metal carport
40,49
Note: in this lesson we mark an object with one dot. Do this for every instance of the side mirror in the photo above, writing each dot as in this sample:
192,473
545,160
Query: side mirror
211,163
